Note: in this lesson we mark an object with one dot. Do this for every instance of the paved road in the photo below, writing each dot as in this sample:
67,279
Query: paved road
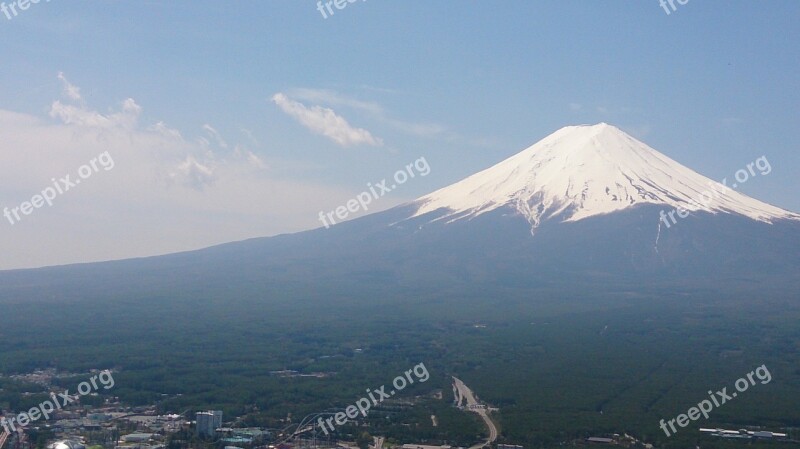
473,405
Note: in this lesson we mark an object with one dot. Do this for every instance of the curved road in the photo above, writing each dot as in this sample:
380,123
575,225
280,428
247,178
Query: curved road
473,405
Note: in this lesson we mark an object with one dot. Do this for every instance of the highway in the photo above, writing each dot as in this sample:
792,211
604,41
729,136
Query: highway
473,405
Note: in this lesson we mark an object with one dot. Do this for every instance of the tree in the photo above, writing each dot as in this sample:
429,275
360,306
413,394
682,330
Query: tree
363,440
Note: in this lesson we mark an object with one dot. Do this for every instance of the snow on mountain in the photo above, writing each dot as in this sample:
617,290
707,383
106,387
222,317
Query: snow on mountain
583,171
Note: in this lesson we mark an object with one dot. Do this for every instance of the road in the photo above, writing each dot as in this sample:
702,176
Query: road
473,405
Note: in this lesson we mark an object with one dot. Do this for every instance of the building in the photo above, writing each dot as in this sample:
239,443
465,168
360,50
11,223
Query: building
422,446
600,440
136,438
67,444
743,434
208,423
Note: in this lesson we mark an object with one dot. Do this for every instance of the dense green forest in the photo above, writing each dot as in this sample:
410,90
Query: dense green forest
558,370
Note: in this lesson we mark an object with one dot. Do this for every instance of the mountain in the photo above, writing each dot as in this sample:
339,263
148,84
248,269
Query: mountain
550,281
585,210
586,171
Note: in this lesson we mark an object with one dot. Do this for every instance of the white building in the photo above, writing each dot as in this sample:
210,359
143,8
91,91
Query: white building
208,423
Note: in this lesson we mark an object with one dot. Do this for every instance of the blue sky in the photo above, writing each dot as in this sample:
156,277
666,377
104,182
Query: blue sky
229,120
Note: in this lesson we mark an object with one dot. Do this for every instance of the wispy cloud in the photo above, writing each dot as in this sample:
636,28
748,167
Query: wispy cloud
326,122
72,92
332,98
162,129
190,164
213,133
166,181
194,174
70,114
373,110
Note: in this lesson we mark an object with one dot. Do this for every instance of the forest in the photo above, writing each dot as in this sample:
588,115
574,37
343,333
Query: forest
558,371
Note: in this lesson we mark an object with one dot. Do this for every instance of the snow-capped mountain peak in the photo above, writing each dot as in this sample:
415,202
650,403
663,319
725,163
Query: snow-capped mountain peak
583,171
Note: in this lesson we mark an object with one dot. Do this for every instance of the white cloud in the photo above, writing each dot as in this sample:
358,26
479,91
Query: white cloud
81,116
332,98
213,132
374,110
166,192
72,92
326,122
255,160
378,113
194,174
164,130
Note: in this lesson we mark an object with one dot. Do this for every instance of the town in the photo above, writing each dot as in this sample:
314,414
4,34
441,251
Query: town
103,422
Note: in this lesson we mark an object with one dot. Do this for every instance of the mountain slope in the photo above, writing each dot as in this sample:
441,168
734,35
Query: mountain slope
592,194
585,171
